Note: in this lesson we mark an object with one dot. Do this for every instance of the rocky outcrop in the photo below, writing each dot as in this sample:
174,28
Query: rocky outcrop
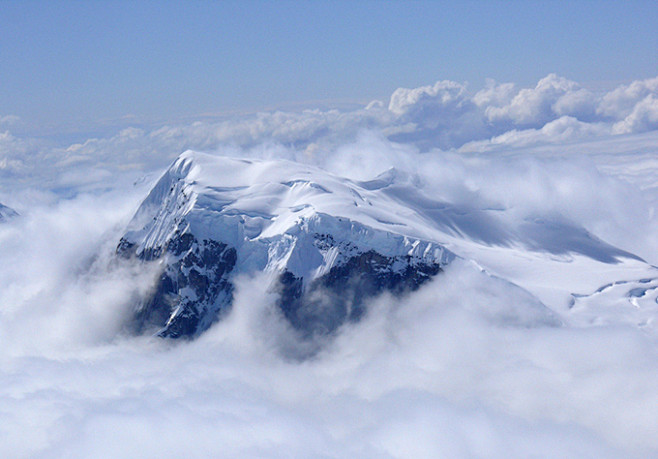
192,290
340,295
195,288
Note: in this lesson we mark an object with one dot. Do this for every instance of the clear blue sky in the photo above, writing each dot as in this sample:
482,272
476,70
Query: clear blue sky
76,65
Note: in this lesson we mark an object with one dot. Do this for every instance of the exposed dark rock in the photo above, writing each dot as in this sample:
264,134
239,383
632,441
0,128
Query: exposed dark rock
192,291
195,289
125,249
340,295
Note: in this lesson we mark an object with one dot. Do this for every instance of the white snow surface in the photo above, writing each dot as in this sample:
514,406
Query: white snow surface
272,211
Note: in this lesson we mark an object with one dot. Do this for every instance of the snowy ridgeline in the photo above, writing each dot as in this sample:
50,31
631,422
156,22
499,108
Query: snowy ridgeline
328,244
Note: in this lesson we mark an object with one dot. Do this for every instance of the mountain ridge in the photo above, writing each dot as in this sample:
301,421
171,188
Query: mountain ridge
211,218
330,243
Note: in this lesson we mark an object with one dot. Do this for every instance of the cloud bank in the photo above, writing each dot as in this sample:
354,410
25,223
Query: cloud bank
469,366
445,116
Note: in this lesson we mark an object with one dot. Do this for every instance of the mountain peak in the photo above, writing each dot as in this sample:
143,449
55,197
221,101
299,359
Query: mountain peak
327,242
210,218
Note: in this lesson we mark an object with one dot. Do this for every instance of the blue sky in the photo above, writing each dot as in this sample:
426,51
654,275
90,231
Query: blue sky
68,66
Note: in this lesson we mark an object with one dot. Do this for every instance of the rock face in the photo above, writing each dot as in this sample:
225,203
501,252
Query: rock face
327,244
192,288
328,301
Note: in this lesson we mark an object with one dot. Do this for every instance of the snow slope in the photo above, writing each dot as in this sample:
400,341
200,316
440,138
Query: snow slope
212,218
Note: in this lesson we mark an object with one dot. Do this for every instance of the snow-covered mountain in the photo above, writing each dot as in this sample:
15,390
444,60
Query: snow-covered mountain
327,244
6,213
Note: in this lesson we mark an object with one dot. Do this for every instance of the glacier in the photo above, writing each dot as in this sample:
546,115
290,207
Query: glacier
538,333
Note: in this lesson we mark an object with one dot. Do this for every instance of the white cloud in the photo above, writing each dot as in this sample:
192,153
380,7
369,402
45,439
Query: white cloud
620,102
60,285
644,117
494,94
13,153
553,97
445,115
468,366
443,98
562,130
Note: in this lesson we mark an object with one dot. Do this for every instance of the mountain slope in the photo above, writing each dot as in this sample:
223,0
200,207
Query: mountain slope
327,244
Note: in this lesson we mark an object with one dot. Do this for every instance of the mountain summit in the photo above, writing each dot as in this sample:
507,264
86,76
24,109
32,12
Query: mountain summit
327,243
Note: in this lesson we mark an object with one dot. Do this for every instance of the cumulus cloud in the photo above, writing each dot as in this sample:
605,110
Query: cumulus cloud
620,102
494,94
446,116
644,117
442,115
448,97
553,97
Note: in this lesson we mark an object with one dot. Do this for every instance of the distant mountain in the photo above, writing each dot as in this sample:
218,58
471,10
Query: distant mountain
7,213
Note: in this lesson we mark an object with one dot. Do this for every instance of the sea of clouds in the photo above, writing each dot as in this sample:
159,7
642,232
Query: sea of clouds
468,366
446,116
